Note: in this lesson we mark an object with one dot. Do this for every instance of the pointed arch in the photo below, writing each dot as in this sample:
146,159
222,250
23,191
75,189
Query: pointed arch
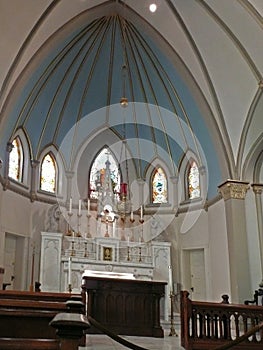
48,173
159,193
97,172
190,184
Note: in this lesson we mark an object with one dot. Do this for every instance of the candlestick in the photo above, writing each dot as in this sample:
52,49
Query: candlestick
172,329
170,278
69,271
69,231
128,254
79,224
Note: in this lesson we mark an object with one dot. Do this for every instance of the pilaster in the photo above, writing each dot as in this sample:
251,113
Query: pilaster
234,193
33,191
9,148
174,193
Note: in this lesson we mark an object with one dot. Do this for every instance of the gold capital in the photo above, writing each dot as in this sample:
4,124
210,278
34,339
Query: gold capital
233,189
257,188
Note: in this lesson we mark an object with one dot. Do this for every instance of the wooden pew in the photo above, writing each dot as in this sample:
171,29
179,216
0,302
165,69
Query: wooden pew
40,296
69,328
27,314
207,325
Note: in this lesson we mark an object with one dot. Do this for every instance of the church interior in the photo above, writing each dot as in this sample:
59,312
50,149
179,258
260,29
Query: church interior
131,146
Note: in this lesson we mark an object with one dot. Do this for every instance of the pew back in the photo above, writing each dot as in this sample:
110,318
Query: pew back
27,314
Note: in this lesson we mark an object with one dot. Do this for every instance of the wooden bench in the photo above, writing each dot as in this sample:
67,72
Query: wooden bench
207,325
69,329
27,314
40,296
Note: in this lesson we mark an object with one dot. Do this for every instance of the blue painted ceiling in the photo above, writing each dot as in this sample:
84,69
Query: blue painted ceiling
78,85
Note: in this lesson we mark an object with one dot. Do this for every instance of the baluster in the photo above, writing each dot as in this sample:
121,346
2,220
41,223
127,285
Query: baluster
237,325
221,330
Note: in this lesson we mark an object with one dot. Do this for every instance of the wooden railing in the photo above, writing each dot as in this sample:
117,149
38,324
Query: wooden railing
209,325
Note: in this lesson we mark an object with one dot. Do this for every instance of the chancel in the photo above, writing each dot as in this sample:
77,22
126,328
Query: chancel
131,153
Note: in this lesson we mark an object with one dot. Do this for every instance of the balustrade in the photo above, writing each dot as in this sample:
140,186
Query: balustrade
205,325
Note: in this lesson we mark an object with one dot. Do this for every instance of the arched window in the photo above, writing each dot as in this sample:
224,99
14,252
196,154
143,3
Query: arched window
48,174
98,171
159,186
193,181
15,170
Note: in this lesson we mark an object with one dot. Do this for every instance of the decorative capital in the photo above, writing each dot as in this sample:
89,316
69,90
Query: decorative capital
69,174
257,188
233,189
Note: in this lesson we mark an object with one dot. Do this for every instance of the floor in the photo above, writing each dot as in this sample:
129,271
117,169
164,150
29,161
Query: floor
103,342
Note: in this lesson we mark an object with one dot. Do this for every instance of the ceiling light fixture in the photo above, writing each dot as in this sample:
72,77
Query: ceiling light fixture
153,7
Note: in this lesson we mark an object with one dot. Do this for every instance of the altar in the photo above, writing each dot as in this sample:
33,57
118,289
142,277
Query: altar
124,306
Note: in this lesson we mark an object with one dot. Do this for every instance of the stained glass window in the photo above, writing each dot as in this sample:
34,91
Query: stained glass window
193,181
16,160
159,186
48,174
98,170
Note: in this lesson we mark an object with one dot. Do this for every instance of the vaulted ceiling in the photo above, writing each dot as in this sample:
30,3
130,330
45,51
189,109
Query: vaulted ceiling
193,79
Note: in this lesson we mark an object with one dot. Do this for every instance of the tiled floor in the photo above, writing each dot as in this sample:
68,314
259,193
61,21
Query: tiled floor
103,342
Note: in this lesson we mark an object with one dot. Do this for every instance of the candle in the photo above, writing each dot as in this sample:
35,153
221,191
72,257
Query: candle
70,205
131,215
123,189
141,212
88,206
69,270
79,206
170,278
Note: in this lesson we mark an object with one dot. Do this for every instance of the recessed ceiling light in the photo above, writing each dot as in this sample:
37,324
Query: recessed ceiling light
153,7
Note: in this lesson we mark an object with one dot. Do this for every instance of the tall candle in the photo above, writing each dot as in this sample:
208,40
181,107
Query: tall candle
70,205
88,206
79,206
69,270
141,212
132,215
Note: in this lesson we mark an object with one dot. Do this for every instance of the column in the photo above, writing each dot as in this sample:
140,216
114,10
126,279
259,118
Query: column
9,148
174,194
141,184
258,190
234,193
33,191
203,183
69,175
